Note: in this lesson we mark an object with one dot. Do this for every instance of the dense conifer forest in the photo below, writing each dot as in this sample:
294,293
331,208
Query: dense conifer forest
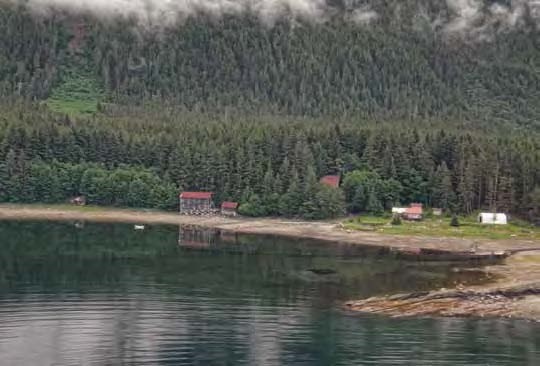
402,108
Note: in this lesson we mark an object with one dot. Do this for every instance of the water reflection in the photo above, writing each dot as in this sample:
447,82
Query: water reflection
197,238
107,295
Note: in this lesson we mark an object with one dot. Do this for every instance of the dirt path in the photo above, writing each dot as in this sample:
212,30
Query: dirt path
327,231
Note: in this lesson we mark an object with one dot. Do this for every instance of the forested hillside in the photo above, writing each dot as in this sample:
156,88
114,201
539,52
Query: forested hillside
392,68
128,114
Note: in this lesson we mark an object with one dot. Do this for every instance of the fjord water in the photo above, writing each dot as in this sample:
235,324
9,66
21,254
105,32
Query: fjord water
109,295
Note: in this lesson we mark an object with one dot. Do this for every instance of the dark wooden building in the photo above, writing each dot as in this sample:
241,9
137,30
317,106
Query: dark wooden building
196,203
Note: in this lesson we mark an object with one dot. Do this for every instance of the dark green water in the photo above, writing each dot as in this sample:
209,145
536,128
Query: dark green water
110,295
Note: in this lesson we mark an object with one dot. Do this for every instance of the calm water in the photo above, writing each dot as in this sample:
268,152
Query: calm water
110,295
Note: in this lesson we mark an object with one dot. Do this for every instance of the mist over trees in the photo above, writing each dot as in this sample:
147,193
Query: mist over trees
395,68
404,110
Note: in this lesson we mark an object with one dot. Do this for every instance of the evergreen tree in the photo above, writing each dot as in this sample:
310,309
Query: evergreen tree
443,193
138,194
291,202
373,204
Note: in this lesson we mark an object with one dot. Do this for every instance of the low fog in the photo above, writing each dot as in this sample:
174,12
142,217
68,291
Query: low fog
475,18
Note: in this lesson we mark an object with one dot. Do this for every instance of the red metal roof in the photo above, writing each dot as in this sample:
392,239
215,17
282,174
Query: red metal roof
331,180
229,205
414,210
196,195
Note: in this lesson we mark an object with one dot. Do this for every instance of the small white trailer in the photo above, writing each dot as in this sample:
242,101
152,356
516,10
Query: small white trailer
490,218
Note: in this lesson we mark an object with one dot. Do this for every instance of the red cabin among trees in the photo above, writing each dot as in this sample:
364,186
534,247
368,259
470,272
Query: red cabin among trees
331,180
196,203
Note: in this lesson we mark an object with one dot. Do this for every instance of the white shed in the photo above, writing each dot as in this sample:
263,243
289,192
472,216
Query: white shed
490,218
399,210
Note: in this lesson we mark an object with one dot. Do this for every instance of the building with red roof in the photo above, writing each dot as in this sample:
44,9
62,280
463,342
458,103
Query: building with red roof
196,195
196,203
414,212
331,180
229,208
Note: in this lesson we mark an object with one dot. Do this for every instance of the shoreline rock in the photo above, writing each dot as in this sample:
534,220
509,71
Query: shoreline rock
514,294
449,303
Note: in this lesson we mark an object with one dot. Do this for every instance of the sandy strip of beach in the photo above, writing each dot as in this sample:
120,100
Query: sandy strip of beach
330,231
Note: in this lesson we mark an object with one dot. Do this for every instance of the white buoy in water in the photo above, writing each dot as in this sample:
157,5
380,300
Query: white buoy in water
139,227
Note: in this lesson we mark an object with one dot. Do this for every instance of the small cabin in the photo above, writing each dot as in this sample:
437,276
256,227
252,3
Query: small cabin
196,203
399,210
331,180
490,218
437,211
229,208
414,212
79,201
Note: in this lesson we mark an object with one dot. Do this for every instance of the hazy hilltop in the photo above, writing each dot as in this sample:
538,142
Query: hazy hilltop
445,59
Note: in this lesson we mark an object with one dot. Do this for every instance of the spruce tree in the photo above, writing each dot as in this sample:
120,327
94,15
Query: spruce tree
443,193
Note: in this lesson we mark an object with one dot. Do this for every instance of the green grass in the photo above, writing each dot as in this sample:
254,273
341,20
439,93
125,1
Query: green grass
440,227
78,94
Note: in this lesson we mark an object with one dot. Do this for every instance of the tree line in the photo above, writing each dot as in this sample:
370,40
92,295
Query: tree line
271,164
23,181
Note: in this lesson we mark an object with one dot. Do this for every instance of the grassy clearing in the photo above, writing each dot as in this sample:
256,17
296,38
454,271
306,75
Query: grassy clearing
78,94
440,227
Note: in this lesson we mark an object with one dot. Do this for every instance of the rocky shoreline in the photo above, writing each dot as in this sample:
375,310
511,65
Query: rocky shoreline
449,303
515,294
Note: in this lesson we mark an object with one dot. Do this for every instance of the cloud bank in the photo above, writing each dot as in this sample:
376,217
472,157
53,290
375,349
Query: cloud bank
475,19
482,20
165,12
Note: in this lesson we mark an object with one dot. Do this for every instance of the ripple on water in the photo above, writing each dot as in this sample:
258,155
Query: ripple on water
190,308
190,330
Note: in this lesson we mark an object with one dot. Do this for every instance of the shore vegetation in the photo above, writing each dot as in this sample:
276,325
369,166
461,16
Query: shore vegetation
442,227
